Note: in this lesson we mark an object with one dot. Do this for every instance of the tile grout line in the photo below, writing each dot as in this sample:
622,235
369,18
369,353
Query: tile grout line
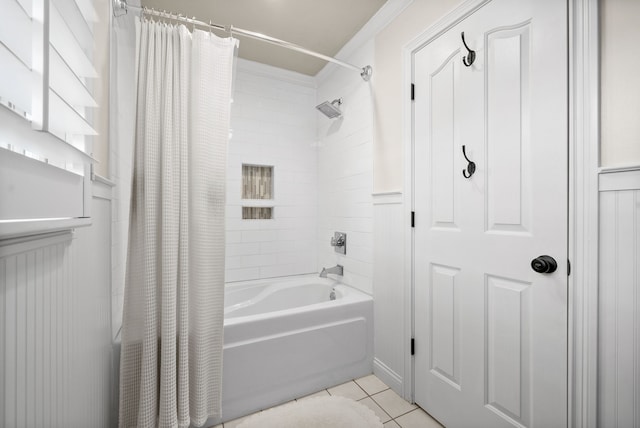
382,408
394,419
378,404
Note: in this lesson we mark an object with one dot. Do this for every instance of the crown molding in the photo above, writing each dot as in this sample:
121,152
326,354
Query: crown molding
385,15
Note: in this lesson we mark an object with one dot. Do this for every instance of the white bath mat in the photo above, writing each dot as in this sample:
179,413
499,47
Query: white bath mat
318,412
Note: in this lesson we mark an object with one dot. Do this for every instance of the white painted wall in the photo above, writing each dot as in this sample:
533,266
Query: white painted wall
389,88
345,172
620,84
273,123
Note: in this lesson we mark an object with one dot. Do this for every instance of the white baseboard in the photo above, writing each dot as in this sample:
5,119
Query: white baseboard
388,376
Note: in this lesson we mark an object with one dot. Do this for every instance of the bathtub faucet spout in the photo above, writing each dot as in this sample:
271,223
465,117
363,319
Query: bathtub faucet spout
337,269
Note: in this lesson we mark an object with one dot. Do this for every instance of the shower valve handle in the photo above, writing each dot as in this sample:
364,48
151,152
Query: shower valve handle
337,242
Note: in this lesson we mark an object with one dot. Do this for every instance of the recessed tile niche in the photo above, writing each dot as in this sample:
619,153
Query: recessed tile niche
257,184
257,213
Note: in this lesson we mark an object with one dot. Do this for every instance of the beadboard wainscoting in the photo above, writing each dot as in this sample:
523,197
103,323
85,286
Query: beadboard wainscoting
619,299
55,325
389,313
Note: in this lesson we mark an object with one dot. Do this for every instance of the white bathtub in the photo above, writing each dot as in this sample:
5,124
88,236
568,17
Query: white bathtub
285,338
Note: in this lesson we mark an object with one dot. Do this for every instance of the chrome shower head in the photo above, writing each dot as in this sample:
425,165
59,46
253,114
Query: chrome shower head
331,109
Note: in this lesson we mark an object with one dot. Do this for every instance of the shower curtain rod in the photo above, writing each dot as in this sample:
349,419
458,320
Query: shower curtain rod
365,72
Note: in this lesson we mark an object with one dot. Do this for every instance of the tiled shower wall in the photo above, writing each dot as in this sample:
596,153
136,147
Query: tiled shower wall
345,172
273,123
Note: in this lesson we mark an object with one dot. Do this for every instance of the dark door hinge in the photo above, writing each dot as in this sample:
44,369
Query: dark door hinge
568,267
413,346
413,219
413,92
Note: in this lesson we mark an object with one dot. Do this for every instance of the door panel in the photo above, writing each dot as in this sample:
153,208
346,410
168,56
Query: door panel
442,149
508,135
438,307
445,327
507,325
491,334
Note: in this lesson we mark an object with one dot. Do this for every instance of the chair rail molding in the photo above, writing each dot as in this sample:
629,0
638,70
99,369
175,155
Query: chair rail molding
625,178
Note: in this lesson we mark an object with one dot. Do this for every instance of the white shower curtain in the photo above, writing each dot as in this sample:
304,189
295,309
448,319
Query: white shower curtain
171,360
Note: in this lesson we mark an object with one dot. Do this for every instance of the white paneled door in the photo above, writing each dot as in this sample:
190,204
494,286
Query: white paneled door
490,331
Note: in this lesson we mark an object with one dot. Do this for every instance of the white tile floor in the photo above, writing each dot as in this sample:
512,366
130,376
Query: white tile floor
392,410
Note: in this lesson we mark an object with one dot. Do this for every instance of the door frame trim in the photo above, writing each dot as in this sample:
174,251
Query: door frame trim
583,147
584,161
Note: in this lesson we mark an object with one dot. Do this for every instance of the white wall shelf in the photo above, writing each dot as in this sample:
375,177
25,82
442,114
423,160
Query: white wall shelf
18,228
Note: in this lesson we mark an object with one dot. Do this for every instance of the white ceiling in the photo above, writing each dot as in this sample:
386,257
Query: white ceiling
323,26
